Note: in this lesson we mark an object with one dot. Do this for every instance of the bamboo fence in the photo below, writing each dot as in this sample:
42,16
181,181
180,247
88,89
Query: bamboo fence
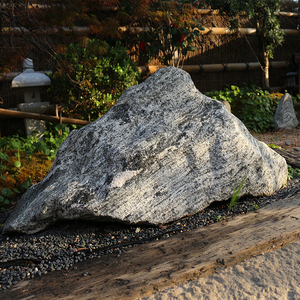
222,57
216,67
25,115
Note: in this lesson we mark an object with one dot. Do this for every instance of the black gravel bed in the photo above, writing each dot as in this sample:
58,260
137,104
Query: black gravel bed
65,243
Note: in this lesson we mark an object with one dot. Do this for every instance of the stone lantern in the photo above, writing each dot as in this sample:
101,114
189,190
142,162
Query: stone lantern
31,82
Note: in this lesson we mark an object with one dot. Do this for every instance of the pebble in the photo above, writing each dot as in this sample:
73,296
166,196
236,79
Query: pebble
61,246
287,142
297,148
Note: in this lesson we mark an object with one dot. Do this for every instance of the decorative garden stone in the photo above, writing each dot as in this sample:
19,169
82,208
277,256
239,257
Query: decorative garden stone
162,152
285,115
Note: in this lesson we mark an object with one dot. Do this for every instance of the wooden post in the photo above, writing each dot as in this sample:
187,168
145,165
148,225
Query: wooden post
60,120
58,114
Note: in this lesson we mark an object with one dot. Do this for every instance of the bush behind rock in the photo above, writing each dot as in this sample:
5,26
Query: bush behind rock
253,106
88,78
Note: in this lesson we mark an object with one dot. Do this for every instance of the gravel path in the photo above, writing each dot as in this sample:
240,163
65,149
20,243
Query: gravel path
64,244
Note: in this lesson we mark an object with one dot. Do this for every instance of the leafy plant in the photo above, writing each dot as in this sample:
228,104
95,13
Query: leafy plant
236,194
220,218
3,198
36,157
3,157
273,146
90,77
54,136
253,207
174,26
31,144
293,172
7,193
253,106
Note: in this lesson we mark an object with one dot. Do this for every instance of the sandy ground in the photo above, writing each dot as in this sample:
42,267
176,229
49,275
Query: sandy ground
275,275
285,138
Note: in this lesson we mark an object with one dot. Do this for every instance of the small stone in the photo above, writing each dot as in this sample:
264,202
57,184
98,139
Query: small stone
297,148
287,142
138,229
285,114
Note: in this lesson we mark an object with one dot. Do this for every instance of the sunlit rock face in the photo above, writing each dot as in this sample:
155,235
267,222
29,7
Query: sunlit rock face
162,152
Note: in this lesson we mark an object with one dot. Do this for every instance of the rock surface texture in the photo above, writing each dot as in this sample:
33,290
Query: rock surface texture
162,152
285,114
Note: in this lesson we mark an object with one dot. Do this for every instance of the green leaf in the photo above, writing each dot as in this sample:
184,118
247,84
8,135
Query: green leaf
16,191
197,32
46,151
7,192
3,156
3,177
1,198
25,185
16,144
59,127
17,164
6,202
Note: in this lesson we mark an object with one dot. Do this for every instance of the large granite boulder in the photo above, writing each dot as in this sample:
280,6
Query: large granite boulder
162,152
285,114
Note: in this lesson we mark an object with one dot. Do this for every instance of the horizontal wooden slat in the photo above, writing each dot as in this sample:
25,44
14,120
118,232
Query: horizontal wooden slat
23,115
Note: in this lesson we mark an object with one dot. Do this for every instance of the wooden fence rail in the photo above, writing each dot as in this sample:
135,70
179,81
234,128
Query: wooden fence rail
216,67
25,115
136,30
188,68
212,30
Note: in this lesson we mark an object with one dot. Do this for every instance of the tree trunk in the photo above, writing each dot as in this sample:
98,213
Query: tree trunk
266,75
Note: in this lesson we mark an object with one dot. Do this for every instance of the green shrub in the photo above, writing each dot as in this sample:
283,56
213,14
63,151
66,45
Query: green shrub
253,106
88,79
25,161
31,144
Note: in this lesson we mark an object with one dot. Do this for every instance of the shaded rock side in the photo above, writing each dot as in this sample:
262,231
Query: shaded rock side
285,114
162,152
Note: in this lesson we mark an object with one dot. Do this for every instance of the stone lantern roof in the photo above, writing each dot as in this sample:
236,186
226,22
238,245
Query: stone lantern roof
30,78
